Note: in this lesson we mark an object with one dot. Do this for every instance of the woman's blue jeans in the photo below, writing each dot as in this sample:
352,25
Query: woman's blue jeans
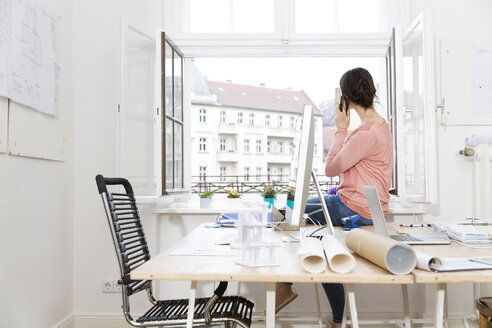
337,210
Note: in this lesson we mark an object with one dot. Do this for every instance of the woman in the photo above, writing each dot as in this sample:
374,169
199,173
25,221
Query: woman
363,157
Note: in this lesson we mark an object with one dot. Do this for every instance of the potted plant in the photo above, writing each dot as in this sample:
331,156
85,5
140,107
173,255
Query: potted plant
233,194
290,197
206,199
269,194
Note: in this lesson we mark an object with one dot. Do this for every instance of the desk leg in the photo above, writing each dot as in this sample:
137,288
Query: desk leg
270,305
353,310
406,306
191,305
320,318
440,296
345,307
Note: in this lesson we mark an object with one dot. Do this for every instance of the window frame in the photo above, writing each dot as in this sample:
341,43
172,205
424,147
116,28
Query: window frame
161,67
203,115
202,144
292,44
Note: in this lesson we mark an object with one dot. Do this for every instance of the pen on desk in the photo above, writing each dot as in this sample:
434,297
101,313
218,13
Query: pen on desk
413,225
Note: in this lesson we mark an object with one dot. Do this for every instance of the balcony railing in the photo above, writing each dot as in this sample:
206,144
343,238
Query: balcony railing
252,183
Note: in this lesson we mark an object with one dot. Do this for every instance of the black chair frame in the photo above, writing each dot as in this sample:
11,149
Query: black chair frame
132,251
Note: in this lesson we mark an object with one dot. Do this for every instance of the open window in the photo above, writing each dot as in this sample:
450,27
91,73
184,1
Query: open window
416,115
138,125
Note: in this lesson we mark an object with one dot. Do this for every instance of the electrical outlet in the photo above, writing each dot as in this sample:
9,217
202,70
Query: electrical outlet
110,286
117,287
107,286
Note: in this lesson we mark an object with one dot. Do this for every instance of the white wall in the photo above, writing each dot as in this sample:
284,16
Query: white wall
96,52
36,226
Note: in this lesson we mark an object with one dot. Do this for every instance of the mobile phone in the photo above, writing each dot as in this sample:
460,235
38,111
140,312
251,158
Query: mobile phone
343,100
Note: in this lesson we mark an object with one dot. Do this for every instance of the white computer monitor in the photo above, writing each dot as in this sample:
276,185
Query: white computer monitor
304,167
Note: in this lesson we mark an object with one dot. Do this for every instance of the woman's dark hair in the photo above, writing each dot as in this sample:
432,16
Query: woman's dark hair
357,85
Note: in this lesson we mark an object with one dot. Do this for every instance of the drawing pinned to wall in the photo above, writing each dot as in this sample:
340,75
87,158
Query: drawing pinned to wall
482,79
29,60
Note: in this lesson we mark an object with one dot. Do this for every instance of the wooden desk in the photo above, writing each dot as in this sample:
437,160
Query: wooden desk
215,268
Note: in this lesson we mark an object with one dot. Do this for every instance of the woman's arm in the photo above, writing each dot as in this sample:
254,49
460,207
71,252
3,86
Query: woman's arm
342,157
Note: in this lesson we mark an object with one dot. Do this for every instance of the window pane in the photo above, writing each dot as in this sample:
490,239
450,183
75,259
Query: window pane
330,16
315,16
261,12
138,114
168,71
211,16
414,132
169,154
178,101
230,16
358,16
178,151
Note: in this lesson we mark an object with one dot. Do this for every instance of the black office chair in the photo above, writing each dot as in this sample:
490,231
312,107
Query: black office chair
132,251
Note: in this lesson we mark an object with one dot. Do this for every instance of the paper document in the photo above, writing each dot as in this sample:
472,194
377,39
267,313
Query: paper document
430,263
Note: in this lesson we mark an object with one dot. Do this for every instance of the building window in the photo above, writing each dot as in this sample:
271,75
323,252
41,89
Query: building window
171,83
222,144
203,173
279,122
315,149
258,174
280,174
280,147
251,119
291,148
203,144
222,117
292,123
222,173
258,146
268,146
239,118
246,174
269,172
203,115
267,120
246,145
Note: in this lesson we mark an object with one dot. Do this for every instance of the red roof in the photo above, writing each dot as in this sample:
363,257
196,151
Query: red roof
247,96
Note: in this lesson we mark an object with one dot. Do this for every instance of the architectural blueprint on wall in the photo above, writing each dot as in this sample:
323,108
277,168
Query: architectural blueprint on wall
29,64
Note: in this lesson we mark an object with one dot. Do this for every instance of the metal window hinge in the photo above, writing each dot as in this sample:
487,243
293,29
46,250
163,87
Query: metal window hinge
118,108
157,111
440,107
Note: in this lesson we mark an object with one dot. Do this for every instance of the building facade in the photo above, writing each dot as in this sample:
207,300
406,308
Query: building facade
248,134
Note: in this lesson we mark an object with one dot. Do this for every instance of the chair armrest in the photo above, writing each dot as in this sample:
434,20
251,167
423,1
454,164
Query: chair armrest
219,291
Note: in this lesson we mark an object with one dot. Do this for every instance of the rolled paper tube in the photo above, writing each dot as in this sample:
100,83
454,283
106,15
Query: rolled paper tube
339,258
312,256
396,257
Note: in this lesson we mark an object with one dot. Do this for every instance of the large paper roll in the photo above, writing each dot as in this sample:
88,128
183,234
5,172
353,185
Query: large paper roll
339,258
396,257
312,255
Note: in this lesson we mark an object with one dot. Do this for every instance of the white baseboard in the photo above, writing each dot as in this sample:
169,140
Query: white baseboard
100,321
68,322
287,320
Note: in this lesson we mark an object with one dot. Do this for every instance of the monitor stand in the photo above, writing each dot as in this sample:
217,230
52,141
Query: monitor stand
285,226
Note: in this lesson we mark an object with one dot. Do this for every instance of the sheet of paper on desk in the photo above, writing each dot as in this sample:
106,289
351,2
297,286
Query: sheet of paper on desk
222,251
430,263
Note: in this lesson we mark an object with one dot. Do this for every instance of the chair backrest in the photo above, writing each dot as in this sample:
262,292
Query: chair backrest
127,231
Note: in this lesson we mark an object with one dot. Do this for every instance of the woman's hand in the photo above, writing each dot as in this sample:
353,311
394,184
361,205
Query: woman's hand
342,118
